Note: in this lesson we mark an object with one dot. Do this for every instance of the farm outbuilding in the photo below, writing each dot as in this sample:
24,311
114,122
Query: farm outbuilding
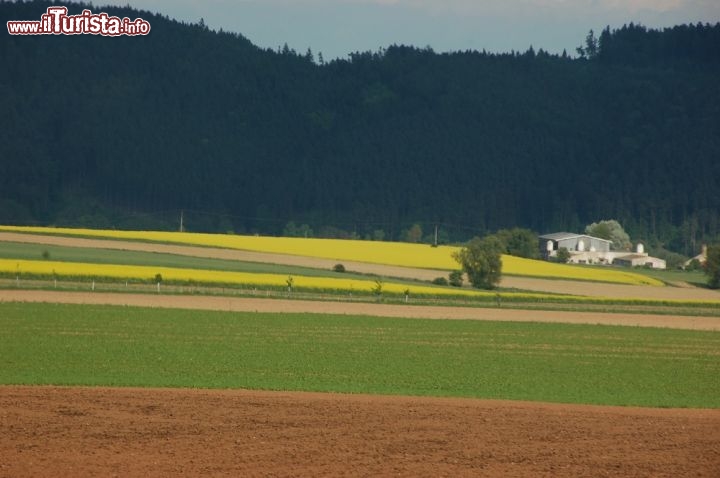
640,260
700,258
551,243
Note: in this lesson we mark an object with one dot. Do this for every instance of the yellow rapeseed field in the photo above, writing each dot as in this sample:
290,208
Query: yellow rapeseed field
536,268
376,252
34,268
148,273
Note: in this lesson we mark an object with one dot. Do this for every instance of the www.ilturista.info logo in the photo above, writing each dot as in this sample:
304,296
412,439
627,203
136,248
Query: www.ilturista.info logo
57,22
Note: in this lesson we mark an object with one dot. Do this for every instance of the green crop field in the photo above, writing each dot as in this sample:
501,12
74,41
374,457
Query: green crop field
123,346
696,278
12,250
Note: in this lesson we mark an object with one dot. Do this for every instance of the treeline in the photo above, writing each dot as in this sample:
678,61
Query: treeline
107,132
636,45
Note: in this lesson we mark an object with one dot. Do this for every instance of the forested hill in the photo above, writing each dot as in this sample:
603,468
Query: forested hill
97,129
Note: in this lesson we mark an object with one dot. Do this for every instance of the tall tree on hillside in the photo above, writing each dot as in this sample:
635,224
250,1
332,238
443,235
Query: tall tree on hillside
590,50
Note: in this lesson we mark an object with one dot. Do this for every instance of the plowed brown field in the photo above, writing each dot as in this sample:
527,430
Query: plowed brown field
51,432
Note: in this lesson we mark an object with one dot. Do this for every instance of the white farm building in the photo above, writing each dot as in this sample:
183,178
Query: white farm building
585,249
550,243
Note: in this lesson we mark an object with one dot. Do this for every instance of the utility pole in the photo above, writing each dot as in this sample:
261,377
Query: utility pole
436,234
182,213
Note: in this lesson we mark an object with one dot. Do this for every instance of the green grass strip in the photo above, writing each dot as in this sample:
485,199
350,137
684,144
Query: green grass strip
125,346
12,250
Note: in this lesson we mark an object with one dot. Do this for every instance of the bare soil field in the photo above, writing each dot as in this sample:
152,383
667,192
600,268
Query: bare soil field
50,432
238,304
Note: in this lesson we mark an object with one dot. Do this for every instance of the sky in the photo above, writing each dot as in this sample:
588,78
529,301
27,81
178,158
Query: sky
339,27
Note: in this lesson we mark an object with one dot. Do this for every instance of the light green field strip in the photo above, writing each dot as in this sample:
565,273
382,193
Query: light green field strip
121,346
50,269
387,253
25,251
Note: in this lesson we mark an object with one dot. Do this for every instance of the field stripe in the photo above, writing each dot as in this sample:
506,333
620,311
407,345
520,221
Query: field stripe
234,304
555,286
225,254
389,253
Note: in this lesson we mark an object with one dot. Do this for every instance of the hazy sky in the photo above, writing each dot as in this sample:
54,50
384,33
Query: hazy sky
338,27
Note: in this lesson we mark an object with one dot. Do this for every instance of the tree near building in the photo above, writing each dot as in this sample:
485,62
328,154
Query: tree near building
612,231
481,259
563,255
712,266
519,242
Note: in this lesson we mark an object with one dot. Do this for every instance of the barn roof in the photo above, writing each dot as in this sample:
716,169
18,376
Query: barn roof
559,236
632,257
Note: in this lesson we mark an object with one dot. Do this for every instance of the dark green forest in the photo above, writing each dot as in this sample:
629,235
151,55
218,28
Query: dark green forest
127,132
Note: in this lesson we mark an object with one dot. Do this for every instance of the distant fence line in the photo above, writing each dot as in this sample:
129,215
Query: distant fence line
129,286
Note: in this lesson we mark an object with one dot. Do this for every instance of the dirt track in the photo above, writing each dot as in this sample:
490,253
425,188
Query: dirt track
525,283
351,308
53,432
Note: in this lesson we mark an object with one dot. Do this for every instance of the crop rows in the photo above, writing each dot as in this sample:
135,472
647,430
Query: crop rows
127,346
